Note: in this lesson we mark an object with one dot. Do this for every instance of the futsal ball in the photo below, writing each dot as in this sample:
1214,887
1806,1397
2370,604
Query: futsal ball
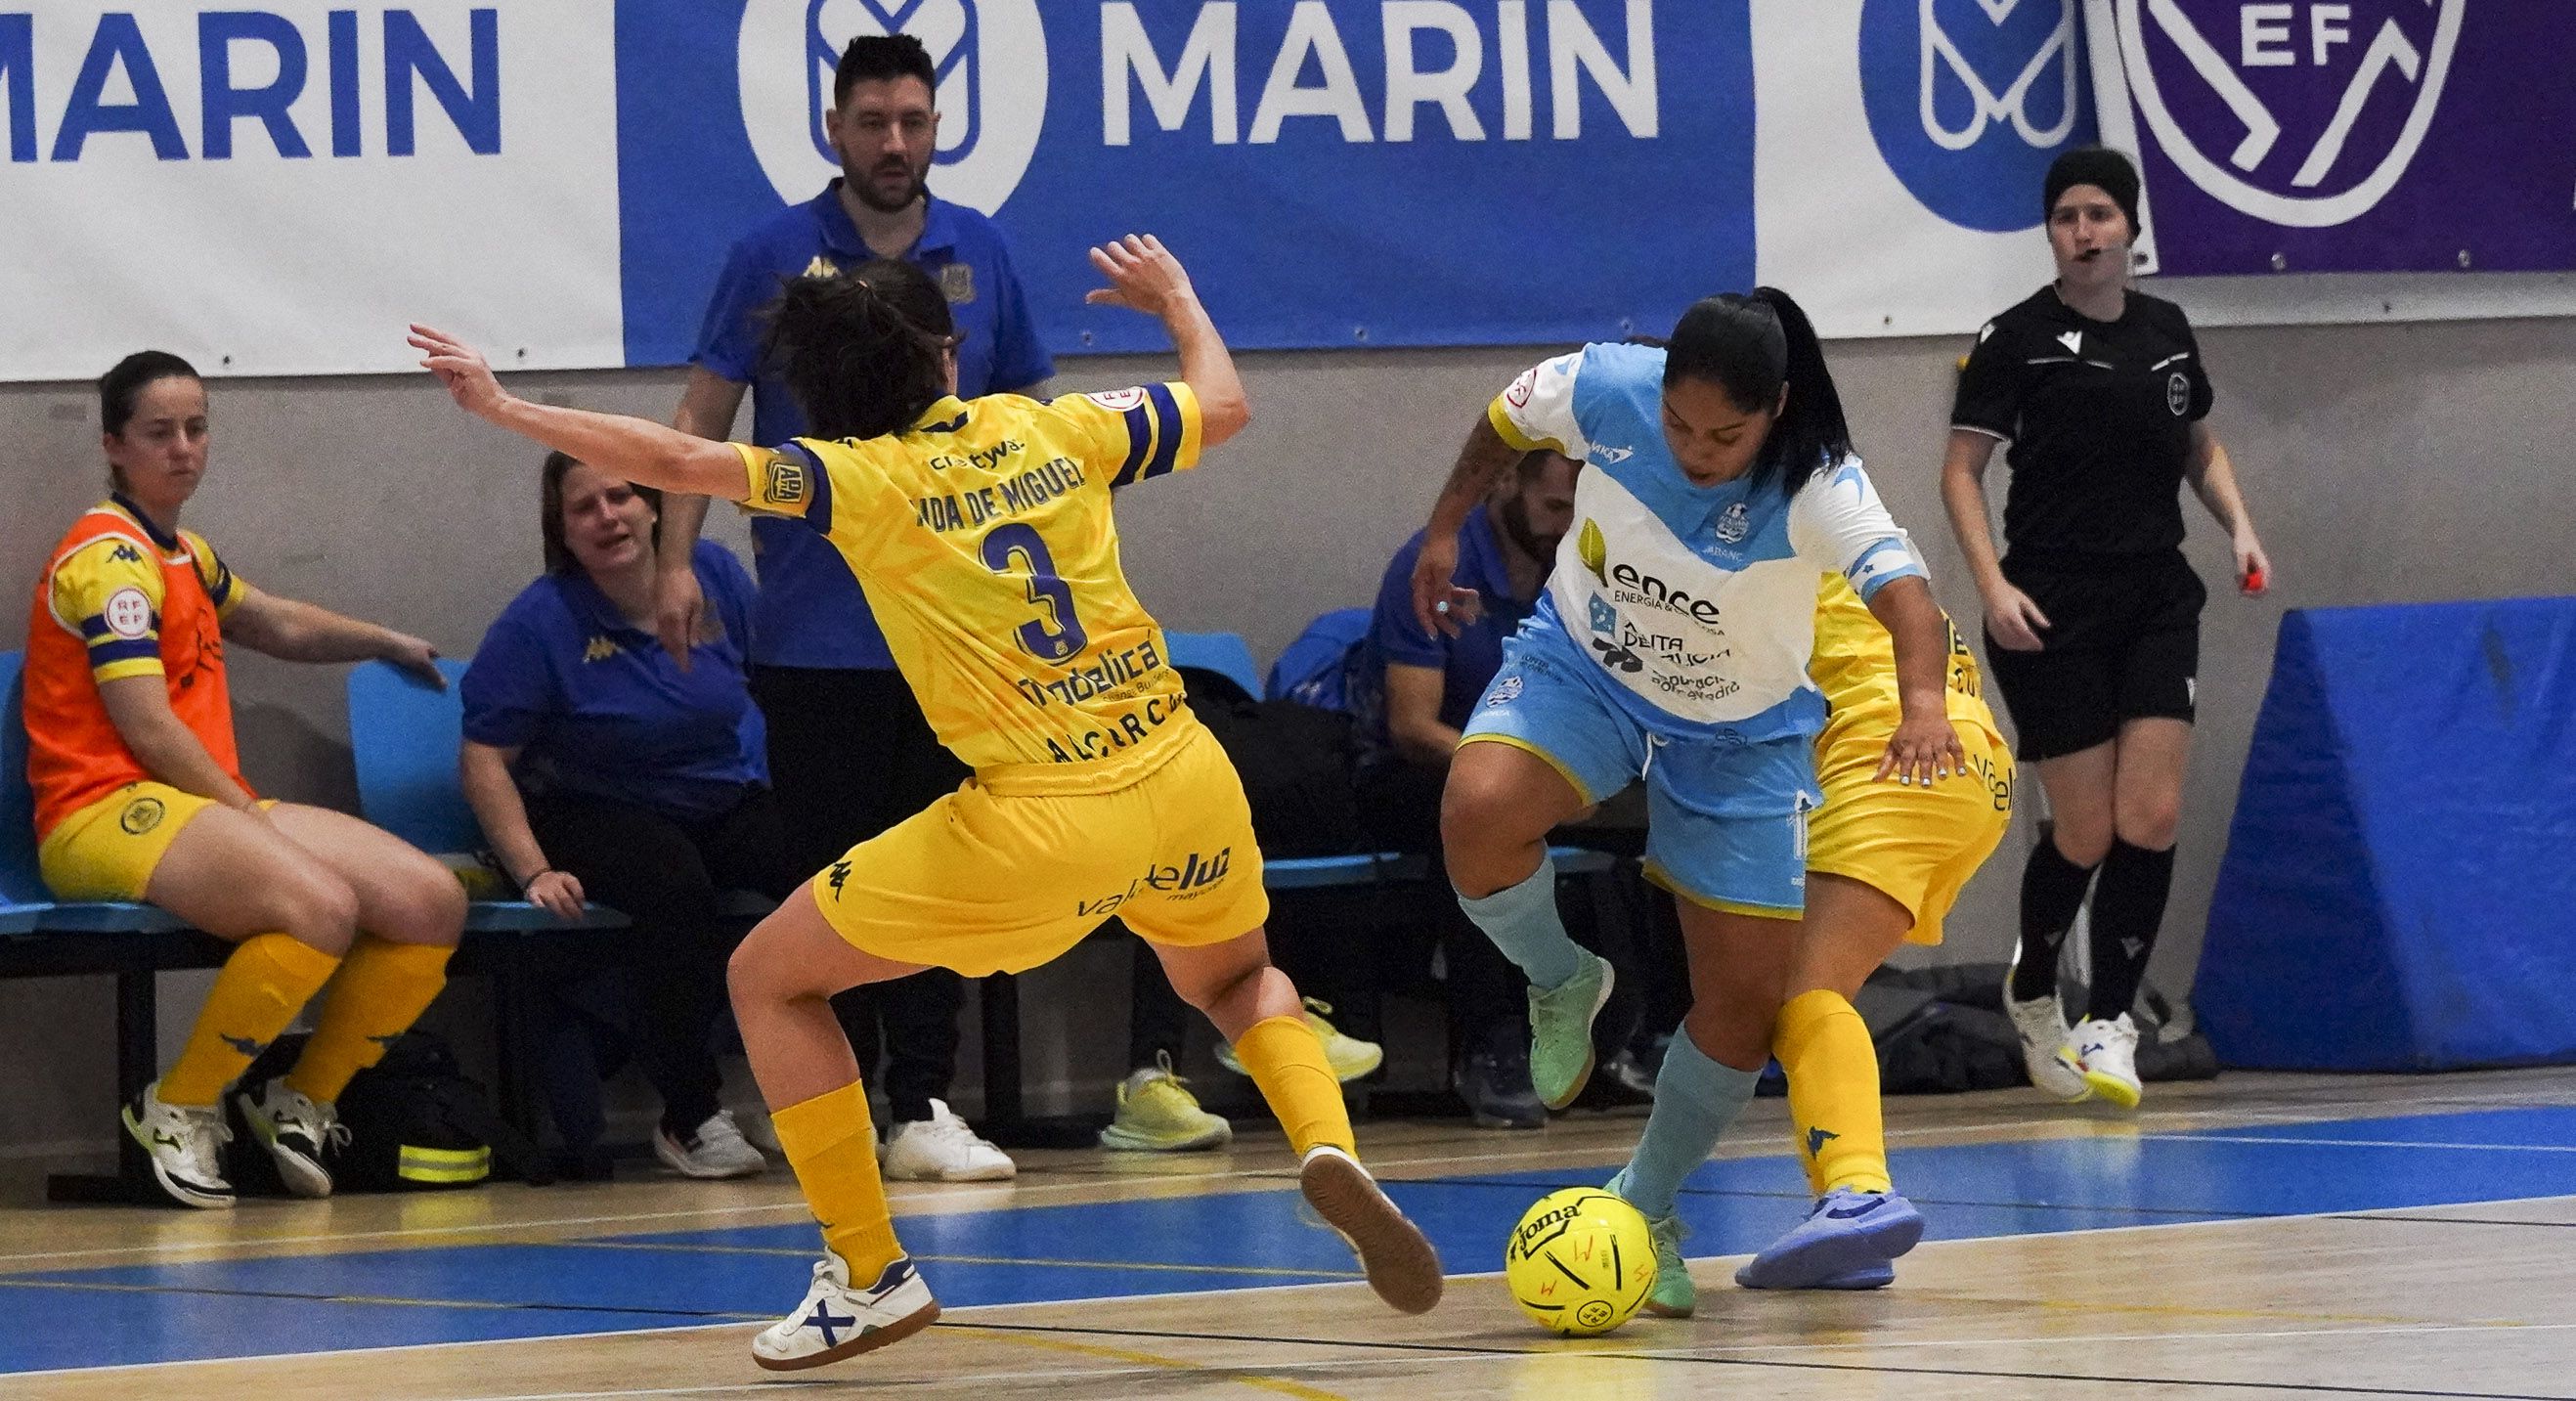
1580,1262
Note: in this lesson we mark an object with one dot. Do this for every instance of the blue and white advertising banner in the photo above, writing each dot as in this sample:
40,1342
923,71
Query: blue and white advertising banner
276,186
2358,136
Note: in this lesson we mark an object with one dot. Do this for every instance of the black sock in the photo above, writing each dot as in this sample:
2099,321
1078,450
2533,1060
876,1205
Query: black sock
2127,912
2052,890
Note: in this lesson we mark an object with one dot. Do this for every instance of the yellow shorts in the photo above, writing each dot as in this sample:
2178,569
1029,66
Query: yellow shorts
987,881
108,850
1918,846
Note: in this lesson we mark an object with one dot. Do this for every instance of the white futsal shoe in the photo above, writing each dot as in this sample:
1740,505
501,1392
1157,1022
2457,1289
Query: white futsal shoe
1399,1260
2041,1025
942,1148
2107,1054
837,1321
186,1144
299,1133
717,1149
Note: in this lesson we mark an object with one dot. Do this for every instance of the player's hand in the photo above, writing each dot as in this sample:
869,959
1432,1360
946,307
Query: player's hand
679,606
2253,567
2014,621
1143,276
1923,748
1439,605
416,657
461,368
558,893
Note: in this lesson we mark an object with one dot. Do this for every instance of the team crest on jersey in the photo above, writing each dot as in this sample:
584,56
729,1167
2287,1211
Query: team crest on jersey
957,283
141,816
1118,400
1734,524
129,613
1504,693
2178,394
1518,396
786,481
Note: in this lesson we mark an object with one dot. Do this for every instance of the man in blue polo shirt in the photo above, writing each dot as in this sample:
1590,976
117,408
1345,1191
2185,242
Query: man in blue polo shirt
841,720
1413,693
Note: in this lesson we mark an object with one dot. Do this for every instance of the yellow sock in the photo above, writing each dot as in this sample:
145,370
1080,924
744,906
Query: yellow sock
383,987
265,982
827,1142
1833,1092
1286,1062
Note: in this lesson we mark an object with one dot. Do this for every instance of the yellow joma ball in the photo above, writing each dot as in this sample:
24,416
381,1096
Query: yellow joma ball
1580,1262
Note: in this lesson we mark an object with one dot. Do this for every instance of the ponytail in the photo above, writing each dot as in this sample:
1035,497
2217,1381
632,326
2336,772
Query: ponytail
1751,346
864,352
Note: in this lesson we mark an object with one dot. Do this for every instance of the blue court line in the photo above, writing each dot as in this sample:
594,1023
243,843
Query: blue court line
205,1309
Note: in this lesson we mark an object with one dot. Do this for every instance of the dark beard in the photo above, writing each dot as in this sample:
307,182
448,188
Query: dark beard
1516,528
865,190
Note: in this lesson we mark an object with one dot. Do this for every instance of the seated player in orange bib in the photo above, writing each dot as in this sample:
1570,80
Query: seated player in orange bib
982,535
139,796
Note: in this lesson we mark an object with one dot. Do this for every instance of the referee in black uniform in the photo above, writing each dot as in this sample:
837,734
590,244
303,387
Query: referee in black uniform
2093,617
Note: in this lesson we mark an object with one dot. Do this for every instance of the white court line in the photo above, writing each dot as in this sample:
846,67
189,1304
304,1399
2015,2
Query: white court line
1016,1196
979,1311
2362,1143
1445,1356
2074,1125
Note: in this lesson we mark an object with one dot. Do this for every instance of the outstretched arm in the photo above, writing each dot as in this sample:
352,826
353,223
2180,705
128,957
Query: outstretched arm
303,632
636,449
1144,276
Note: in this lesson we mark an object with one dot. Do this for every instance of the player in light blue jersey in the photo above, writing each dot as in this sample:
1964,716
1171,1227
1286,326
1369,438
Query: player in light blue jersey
1671,645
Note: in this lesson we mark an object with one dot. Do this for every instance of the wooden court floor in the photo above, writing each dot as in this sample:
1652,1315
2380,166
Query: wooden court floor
2352,1236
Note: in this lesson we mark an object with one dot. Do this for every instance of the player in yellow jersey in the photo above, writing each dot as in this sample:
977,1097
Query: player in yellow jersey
982,536
1885,862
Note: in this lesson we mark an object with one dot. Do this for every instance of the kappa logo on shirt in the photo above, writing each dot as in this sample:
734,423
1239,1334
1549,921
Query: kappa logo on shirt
600,648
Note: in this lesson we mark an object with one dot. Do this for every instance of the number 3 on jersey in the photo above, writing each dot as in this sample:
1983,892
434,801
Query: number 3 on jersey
1056,635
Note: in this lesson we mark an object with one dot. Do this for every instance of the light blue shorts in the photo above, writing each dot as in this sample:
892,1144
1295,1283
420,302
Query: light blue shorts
1726,817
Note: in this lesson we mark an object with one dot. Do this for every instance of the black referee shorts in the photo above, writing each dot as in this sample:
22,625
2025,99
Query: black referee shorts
2124,645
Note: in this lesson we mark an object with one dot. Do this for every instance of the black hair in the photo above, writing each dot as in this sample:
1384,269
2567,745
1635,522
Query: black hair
120,387
877,58
550,512
1749,346
863,351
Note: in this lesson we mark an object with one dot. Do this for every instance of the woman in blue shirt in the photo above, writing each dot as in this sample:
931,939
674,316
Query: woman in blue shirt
603,768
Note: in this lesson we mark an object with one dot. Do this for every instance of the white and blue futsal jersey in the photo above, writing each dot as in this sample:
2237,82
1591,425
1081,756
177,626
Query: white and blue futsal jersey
1697,603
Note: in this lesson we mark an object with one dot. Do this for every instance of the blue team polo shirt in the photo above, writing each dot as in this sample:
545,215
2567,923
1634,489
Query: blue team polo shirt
1467,662
811,613
598,708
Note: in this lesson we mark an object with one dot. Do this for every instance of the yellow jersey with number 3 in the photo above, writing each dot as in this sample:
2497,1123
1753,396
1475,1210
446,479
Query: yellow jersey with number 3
983,539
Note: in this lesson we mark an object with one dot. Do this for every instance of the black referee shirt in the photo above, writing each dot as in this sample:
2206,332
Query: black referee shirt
2099,417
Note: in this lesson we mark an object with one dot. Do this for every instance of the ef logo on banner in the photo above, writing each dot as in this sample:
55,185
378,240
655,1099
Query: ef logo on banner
1969,100
990,56
2304,115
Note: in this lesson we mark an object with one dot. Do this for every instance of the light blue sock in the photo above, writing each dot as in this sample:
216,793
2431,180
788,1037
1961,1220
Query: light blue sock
1523,922
1695,1099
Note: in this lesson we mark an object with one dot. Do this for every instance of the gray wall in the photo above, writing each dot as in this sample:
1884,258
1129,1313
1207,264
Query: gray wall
2383,462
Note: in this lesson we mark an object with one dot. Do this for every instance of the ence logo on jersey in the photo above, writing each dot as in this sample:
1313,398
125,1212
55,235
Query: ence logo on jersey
1627,585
